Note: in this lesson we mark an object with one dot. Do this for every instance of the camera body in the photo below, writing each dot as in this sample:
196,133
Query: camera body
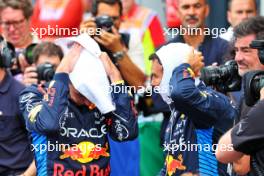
253,82
104,22
224,78
259,45
45,72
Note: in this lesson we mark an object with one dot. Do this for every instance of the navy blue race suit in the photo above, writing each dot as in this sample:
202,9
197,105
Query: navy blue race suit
199,117
69,139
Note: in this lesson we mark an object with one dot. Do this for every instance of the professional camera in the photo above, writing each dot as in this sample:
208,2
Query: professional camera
45,72
224,78
259,44
7,54
8,58
253,82
104,22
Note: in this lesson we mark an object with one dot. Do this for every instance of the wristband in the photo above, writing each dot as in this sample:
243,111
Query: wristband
118,82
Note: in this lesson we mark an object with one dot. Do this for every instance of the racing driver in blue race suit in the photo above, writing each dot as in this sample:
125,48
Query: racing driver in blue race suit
69,134
199,114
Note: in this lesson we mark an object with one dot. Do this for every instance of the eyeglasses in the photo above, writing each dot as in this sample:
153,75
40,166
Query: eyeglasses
15,24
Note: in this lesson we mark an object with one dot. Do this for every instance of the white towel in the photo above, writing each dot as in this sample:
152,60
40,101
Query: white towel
89,76
171,56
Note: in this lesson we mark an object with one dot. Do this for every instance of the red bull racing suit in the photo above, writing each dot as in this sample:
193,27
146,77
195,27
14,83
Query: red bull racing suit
199,117
68,139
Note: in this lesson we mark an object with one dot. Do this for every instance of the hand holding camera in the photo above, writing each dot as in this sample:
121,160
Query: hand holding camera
102,29
109,36
111,41
40,74
94,26
89,26
104,22
30,76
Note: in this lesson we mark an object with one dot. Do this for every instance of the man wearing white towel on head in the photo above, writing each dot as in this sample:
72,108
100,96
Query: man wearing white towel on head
60,115
199,115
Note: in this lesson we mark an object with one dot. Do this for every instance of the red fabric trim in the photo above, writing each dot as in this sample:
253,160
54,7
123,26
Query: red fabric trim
156,32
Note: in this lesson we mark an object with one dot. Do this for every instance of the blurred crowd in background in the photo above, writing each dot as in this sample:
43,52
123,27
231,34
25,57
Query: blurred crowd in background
139,38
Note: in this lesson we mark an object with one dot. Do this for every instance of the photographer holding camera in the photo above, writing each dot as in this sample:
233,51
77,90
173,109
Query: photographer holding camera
126,52
15,26
46,57
16,156
247,60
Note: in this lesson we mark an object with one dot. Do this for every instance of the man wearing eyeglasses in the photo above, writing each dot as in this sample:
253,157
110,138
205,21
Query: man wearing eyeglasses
16,157
15,22
15,25
15,153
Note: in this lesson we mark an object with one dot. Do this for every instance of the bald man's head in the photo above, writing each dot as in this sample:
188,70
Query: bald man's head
193,13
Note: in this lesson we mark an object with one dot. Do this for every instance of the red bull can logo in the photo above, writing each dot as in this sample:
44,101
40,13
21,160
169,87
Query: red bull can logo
174,164
85,152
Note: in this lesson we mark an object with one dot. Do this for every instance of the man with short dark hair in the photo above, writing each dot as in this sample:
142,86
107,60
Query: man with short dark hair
46,52
199,115
247,60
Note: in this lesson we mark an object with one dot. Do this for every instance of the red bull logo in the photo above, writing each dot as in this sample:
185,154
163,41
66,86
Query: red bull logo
94,170
95,154
85,152
174,164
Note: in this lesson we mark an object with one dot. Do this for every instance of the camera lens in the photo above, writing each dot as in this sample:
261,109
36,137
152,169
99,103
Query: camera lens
210,75
45,72
224,78
29,53
105,22
253,81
